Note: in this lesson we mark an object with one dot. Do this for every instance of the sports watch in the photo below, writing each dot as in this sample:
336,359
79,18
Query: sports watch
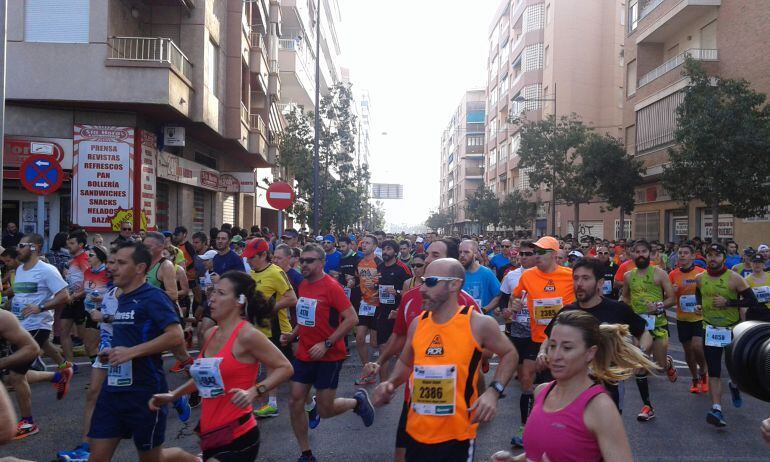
328,343
498,387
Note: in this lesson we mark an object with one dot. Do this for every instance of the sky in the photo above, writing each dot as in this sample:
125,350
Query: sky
416,58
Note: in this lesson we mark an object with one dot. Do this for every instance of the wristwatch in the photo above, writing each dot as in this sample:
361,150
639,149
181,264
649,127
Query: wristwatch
328,343
498,387
261,390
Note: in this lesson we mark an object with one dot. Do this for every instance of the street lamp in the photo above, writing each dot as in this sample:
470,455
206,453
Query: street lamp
521,99
317,125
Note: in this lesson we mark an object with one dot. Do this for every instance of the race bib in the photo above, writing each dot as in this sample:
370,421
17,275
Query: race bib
649,320
17,306
120,375
306,311
208,379
522,317
607,287
366,309
433,390
687,303
385,297
347,292
762,293
718,336
546,309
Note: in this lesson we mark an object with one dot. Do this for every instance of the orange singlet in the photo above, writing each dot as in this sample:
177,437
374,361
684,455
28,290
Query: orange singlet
443,380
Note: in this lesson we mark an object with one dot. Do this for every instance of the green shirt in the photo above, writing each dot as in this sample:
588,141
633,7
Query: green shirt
644,290
711,287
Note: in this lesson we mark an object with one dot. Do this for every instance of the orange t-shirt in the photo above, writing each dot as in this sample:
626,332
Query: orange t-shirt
627,266
547,293
367,272
685,285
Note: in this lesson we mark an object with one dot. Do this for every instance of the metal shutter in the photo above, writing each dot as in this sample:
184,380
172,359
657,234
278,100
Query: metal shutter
228,209
56,21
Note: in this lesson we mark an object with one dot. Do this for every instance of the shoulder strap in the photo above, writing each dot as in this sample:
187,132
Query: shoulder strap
206,343
425,315
465,310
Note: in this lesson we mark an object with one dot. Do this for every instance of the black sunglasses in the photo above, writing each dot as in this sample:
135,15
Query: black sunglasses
526,254
309,261
418,265
126,229
543,251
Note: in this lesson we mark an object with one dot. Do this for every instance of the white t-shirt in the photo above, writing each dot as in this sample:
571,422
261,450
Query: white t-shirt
33,287
511,280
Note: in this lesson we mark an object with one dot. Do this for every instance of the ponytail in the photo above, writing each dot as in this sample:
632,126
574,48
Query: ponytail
256,308
616,358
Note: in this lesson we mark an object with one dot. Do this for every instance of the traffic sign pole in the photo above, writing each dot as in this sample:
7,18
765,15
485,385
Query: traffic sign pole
41,222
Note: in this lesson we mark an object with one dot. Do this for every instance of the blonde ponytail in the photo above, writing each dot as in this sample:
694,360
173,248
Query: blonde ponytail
616,357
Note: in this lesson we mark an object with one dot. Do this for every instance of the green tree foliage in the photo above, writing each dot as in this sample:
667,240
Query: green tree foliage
440,220
343,184
517,210
723,140
483,208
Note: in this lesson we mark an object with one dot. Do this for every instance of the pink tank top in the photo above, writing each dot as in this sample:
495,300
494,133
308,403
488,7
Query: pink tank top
562,434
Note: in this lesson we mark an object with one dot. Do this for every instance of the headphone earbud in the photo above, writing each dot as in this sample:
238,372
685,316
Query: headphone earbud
242,299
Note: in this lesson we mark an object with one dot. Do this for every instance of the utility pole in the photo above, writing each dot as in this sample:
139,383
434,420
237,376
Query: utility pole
3,33
317,114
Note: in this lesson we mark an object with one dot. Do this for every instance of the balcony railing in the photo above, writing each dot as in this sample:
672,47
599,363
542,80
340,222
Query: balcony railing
256,123
274,67
676,61
150,49
244,112
649,7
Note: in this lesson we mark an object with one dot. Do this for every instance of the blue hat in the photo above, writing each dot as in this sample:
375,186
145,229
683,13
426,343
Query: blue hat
352,237
168,233
330,238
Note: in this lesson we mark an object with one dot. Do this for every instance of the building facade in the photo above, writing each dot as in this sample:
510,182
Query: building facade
722,35
158,112
552,57
462,159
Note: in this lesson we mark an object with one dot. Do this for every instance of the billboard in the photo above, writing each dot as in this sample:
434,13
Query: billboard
387,191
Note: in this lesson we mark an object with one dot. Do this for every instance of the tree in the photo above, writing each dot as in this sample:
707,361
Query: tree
723,138
550,151
483,208
438,220
516,210
296,161
616,173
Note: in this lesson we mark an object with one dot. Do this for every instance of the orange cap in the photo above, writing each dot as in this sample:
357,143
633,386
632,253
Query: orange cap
548,243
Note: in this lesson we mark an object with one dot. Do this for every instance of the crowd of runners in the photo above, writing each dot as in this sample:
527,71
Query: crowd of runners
246,313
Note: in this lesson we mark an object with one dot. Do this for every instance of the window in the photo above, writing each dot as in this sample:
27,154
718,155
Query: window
56,21
647,226
212,66
532,57
476,140
493,128
524,179
631,78
515,144
534,17
474,117
502,153
656,123
492,157
633,15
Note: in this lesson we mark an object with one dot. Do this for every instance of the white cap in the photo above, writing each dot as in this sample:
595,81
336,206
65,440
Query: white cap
208,255
319,238
419,239
762,248
576,253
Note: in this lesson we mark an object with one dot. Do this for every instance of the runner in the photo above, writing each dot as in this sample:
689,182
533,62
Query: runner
744,268
519,332
333,256
648,291
689,323
418,271
324,316
74,313
759,281
206,280
38,288
273,284
609,289
225,373
405,253
392,276
145,325
573,419
723,298
441,361
501,260
480,282
367,276
226,259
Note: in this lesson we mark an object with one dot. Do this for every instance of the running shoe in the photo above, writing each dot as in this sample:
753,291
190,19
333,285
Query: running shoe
80,454
307,459
25,429
704,383
517,442
735,394
363,381
715,418
180,366
266,411
313,419
182,407
671,370
194,400
695,387
646,414
364,407
63,385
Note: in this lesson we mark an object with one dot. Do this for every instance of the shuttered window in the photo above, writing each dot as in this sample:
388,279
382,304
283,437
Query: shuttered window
647,226
656,123
56,21
228,209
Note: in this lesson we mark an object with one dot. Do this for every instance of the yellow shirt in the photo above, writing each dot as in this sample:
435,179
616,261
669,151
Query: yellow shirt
273,283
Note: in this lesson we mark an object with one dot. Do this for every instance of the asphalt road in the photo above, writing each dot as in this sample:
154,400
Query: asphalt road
678,433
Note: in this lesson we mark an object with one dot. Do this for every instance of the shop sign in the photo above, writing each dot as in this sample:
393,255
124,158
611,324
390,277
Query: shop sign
147,183
181,170
247,181
724,229
102,183
18,148
229,184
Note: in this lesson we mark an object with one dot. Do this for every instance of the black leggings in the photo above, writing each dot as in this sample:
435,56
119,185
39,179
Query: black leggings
244,449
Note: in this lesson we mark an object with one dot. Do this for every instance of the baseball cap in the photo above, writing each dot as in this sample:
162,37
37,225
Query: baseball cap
716,247
330,238
547,243
319,238
254,247
749,252
757,258
208,255
290,233
762,248
168,233
419,240
576,253
180,230
237,239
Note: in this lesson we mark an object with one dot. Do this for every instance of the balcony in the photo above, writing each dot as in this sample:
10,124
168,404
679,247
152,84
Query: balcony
676,61
257,133
143,50
258,58
297,67
661,20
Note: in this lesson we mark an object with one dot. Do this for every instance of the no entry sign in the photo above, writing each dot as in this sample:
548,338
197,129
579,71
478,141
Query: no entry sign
280,195
41,174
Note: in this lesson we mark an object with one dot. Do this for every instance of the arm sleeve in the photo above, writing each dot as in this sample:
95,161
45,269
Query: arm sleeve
636,325
504,299
747,299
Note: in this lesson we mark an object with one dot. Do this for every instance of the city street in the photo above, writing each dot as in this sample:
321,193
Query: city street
678,433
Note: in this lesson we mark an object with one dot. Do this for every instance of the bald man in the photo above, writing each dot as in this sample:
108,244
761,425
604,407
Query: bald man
443,353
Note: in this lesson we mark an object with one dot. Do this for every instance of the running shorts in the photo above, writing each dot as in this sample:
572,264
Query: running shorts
686,330
126,415
321,374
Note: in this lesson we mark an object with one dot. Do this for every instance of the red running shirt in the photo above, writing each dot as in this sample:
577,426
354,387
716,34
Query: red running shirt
329,300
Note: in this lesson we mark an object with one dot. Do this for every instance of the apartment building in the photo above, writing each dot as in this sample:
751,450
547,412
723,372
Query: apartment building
722,34
158,112
462,159
552,57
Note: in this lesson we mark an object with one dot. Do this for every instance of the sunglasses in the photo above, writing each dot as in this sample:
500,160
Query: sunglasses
603,253
22,245
418,265
308,261
543,251
526,254
126,229
434,280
